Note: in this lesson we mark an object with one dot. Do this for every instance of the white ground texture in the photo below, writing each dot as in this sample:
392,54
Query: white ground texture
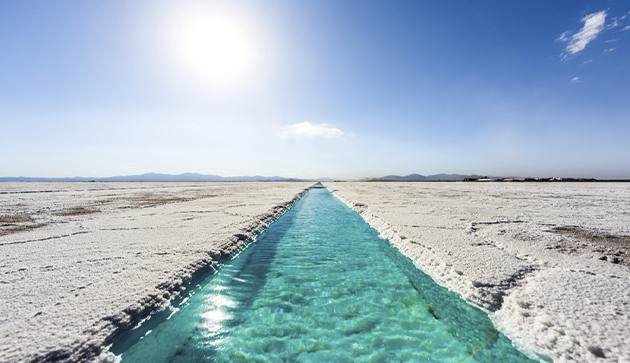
548,261
81,261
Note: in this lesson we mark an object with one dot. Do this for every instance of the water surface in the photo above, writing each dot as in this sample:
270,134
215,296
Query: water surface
319,286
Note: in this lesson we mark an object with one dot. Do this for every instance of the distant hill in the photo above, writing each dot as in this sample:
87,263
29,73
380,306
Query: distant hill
154,177
418,177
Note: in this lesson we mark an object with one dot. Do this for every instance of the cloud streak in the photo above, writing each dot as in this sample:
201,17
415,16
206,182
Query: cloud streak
307,129
593,25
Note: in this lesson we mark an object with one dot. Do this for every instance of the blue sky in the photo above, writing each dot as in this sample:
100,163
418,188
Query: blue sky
341,89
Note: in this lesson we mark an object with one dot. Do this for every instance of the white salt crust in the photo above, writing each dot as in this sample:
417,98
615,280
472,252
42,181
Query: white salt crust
547,261
81,261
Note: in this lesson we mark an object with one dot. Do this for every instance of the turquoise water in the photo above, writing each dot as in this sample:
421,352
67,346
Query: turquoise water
318,286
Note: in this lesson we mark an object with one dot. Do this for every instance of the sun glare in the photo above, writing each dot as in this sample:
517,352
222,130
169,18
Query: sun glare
213,46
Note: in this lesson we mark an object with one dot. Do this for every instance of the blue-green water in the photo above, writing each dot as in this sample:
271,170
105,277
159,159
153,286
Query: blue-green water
319,286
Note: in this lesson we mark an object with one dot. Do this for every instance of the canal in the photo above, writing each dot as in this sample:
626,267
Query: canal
319,286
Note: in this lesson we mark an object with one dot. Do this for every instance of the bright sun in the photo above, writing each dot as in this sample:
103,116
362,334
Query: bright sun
213,46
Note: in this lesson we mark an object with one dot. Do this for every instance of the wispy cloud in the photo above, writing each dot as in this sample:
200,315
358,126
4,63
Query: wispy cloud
609,50
593,25
307,129
626,28
576,80
611,40
616,22
586,62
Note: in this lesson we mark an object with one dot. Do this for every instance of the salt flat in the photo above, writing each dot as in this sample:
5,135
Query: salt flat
548,261
79,261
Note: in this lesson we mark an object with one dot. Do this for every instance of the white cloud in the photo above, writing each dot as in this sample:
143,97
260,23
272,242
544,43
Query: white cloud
611,40
609,50
564,36
626,28
615,21
614,24
576,80
593,25
307,129
586,62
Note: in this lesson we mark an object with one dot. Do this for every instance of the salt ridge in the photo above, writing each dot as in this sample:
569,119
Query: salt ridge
81,262
494,245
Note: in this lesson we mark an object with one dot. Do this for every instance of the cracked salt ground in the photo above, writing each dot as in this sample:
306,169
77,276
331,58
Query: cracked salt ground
319,286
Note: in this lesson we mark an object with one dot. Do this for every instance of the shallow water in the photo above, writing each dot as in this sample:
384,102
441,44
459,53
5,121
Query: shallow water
319,286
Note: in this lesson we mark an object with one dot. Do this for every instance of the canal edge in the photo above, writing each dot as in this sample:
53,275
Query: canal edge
428,262
177,284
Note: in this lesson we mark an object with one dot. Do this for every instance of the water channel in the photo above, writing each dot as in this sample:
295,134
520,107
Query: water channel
319,286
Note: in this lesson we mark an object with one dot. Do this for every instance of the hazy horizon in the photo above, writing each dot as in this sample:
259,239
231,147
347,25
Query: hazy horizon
165,177
314,89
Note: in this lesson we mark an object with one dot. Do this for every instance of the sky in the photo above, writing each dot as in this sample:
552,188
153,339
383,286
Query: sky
310,89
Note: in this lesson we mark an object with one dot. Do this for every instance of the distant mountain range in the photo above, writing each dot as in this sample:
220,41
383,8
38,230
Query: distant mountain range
196,177
153,177
418,177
